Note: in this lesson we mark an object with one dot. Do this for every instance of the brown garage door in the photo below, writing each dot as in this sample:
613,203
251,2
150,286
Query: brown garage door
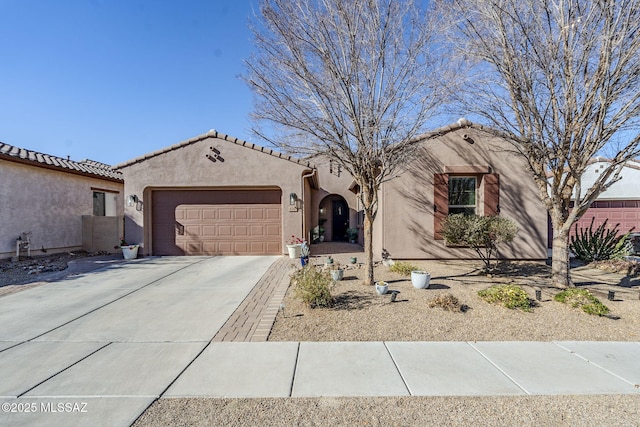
623,212
216,222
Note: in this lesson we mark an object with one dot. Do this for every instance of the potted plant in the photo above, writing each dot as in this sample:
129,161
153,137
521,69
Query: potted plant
317,234
382,288
294,246
128,251
329,260
352,234
420,279
337,273
353,260
304,254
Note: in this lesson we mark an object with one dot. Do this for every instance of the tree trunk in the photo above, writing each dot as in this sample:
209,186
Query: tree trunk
368,248
560,273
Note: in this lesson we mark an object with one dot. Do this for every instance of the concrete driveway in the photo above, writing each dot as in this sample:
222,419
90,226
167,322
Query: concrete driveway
97,349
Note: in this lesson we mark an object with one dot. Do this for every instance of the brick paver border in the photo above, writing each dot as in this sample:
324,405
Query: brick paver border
254,318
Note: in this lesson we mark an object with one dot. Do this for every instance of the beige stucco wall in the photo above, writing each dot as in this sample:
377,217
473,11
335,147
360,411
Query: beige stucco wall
187,166
102,233
49,203
407,213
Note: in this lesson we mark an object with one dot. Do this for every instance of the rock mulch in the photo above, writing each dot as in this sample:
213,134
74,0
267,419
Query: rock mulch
359,314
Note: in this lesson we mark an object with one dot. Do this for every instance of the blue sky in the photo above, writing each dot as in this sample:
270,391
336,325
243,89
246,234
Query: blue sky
110,80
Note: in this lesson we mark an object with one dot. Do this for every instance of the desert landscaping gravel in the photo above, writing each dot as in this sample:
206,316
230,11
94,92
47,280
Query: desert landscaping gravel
359,314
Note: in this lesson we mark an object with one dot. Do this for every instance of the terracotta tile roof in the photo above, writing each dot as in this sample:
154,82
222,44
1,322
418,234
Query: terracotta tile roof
216,134
83,167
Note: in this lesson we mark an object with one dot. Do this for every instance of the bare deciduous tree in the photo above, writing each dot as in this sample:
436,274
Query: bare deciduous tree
560,78
354,80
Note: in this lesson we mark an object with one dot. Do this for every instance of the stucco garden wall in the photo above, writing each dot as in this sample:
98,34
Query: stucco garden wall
191,165
49,204
407,214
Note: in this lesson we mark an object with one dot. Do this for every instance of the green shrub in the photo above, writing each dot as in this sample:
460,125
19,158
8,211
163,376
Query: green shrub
313,286
446,301
603,243
403,268
583,299
480,233
510,296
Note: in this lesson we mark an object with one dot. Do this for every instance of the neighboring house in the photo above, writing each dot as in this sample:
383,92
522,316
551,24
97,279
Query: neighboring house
215,194
48,197
620,203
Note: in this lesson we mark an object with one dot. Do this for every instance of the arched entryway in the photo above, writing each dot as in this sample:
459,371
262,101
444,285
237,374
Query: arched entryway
334,218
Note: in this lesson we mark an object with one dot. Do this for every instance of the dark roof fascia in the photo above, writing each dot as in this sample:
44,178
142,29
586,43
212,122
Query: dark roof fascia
216,134
36,159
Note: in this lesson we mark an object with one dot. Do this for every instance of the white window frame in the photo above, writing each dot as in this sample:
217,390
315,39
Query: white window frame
475,194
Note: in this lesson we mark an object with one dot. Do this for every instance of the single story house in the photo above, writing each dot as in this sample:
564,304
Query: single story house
215,194
57,204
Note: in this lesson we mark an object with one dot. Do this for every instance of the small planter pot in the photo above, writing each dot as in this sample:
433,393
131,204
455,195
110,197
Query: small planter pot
329,261
420,279
295,251
130,252
353,260
304,260
337,274
382,288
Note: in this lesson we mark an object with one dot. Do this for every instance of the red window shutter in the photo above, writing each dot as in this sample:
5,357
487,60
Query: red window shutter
491,194
440,203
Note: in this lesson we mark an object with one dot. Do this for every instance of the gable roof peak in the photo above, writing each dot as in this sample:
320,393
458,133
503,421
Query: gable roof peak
212,133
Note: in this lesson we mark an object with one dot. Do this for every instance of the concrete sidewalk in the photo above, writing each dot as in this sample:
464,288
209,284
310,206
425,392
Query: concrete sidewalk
313,369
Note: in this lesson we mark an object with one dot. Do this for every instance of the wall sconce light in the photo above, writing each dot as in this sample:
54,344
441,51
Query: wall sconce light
321,211
293,199
132,200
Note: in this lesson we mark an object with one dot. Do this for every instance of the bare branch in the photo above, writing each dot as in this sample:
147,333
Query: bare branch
561,77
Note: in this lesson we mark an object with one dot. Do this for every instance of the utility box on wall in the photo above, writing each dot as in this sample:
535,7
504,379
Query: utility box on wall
101,233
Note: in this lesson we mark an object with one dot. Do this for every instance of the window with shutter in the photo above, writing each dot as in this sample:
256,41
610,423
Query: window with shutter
458,194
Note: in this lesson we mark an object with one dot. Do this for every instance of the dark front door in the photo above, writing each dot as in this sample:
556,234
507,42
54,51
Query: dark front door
340,220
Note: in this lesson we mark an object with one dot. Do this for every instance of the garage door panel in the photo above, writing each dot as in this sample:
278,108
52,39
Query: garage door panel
193,214
241,230
210,248
272,247
257,230
225,230
241,247
217,222
225,247
209,213
257,214
272,213
209,231
272,230
241,213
